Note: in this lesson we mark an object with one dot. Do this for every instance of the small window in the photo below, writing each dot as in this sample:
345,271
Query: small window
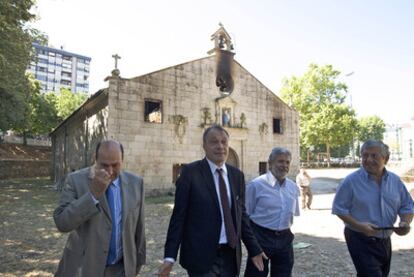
262,167
277,126
153,112
176,171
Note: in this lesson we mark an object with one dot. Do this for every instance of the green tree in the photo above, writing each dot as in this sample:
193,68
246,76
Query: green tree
15,47
371,127
319,98
40,114
67,102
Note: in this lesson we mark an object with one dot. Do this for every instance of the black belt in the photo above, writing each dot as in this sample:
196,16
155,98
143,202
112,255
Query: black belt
273,232
377,239
224,246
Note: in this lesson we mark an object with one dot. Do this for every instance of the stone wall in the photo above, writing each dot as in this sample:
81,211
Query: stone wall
75,140
11,169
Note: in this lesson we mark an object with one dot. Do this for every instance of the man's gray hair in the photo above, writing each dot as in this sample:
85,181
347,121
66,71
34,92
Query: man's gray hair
278,151
385,150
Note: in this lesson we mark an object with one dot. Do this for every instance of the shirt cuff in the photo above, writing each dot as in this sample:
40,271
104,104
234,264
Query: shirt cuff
169,260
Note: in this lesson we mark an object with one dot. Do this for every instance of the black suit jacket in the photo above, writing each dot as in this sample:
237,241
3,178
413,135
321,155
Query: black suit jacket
196,220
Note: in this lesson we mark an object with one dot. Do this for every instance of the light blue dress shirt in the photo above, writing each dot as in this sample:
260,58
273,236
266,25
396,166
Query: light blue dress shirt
270,204
115,249
360,196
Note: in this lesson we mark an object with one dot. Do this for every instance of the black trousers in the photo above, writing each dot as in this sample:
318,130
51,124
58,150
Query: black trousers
278,248
371,256
225,264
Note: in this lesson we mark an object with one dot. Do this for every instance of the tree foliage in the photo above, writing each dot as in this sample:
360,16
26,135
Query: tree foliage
40,114
15,47
319,98
67,102
371,127
44,111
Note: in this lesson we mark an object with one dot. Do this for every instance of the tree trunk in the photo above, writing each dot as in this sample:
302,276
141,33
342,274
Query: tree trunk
328,154
24,138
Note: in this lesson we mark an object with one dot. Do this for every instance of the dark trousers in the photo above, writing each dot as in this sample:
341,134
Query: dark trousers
225,264
278,248
371,256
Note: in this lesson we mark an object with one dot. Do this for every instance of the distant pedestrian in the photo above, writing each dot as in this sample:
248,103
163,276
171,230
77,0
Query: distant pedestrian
303,180
369,201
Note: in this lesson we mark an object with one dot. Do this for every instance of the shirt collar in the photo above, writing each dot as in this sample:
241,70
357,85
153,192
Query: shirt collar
271,179
117,182
214,167
367,175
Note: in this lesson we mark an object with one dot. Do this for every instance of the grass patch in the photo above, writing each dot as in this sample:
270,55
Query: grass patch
164,199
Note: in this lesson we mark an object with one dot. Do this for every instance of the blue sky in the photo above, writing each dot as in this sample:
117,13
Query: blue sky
273,40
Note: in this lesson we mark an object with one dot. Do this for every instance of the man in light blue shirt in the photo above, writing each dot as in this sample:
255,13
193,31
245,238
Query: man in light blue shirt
368,201
271,202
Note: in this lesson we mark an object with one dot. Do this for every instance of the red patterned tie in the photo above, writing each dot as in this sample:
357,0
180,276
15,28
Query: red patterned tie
228,220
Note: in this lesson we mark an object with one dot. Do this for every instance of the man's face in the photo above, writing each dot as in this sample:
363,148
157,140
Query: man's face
372,161
280,166
110,159
216,146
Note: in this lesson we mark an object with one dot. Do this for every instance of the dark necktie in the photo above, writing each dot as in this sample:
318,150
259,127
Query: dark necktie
228,220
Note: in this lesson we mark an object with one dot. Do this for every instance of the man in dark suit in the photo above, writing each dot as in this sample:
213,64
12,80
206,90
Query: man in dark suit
209,216
103,209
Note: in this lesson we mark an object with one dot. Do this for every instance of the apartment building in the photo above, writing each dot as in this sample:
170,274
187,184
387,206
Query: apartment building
57,68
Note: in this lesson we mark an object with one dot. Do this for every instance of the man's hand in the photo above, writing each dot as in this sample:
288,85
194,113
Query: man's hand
368,229
165,269
100,181
258,261
404,228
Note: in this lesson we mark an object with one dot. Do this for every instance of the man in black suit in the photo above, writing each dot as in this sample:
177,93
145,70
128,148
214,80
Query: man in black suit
209,216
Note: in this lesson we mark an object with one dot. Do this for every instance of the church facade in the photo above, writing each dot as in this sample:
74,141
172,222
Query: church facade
160,118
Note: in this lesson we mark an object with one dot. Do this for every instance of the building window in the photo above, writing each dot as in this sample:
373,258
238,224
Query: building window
277,126
40,60
262,167
65,82
176,171
153,111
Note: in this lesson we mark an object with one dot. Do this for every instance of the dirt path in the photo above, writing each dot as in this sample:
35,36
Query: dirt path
31,246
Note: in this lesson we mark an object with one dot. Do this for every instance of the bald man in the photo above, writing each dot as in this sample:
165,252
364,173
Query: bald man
102,207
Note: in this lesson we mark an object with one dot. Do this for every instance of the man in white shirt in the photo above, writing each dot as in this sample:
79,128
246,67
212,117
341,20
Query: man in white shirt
272,200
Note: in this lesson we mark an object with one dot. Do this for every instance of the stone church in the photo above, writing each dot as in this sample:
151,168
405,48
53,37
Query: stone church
160,117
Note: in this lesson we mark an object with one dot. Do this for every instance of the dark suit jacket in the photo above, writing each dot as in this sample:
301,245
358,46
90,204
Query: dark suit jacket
196,220
90,226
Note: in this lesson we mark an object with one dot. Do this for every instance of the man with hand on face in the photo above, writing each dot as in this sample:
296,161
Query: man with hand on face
103,209
209,216
271,202
368,201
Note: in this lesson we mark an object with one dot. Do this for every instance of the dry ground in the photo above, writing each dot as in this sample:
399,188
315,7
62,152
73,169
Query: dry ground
31,246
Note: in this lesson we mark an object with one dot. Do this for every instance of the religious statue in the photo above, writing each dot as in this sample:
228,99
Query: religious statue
226,117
